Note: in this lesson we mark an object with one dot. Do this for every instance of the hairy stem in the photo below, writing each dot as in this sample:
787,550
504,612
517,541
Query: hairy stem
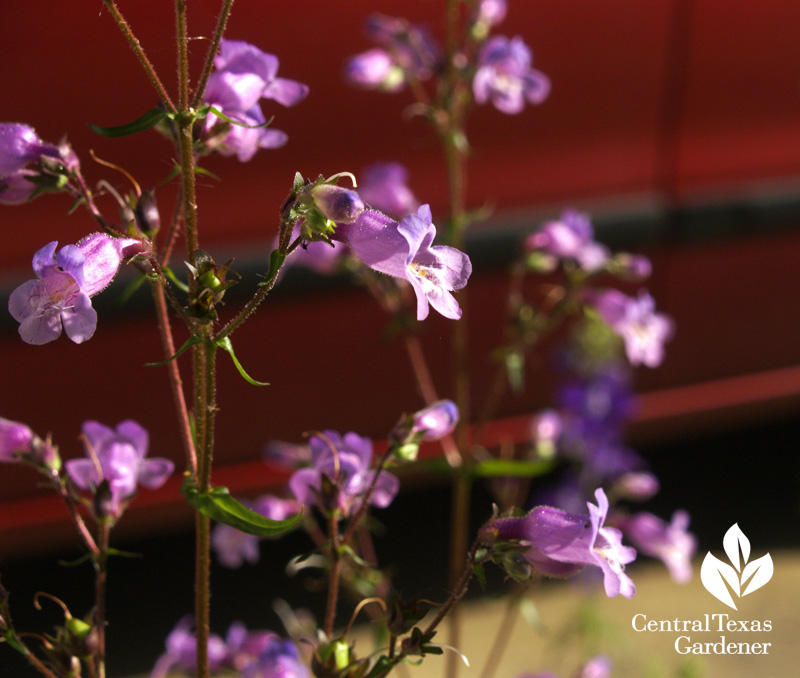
133,41
208,64
101,576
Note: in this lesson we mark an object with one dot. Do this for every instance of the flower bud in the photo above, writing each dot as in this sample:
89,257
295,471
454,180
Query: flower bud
337,204
15,439
407,452
633,267
436,421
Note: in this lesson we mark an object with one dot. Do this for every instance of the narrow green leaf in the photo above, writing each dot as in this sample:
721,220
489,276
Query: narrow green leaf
191,341
182,286
226,344
123,554
276,260
145,122
220,114
480,574
76,562
382,666
204,172
129,290
516,468
219,505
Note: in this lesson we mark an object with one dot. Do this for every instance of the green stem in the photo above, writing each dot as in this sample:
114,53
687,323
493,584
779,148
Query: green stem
208,65
175,381
133,41
335,573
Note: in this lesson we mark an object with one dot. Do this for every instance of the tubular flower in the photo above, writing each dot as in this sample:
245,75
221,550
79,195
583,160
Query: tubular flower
561,544
64,283
672,543
570,237
340,475
404,250
117,456
635,320
505,76
15,438
244,75
384,187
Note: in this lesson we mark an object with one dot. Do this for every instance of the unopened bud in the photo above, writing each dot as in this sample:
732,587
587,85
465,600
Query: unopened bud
338,204
436,420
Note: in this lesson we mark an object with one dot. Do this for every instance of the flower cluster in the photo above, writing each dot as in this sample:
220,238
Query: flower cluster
65,281
252,654
406,53
244,75
28,163
405,250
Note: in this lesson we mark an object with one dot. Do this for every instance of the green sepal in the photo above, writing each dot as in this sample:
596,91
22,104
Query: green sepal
206,173
480,574
225,344
382,666
298,183
219,505
145,122
13,641
516,468
191,341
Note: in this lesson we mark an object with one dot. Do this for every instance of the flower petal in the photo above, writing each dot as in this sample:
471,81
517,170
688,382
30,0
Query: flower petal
153,473
136,434
286,92
19,302
83,472
44,258
80,321
374,238
40,329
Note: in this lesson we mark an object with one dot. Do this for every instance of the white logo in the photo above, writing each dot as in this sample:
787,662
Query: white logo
745,578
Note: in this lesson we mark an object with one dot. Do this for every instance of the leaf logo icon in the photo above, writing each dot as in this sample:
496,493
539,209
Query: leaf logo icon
740,577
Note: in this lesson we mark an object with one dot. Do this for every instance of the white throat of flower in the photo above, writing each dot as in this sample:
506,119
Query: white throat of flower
428,277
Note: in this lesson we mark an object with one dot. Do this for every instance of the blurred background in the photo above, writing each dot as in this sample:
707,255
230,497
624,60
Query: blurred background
676,124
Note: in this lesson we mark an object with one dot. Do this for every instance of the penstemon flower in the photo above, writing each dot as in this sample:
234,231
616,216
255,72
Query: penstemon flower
65,281
244,75
340,475
405,250
570,237
384,187
635,320
181,651
21,147
671,542
117,456
436,420
505,76
561,544
15,438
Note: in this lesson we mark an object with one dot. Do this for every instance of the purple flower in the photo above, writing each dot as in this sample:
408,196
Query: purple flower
233,547
120,456
384,187
279,659
597,667
64,283
405,251
670,542
490,12
505,76
636,485
345,463
19,147
436,420
374,69
546,429
635,320
182,651
244,75
411,45
570,237
15,438
561,544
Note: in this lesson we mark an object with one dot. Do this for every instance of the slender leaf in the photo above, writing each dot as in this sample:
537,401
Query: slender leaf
191,341
517,468
220,114
13,640
226,344
222,507
145,122
182,286
382,666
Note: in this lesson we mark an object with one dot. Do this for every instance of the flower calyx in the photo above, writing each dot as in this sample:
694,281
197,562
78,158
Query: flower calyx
211,284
